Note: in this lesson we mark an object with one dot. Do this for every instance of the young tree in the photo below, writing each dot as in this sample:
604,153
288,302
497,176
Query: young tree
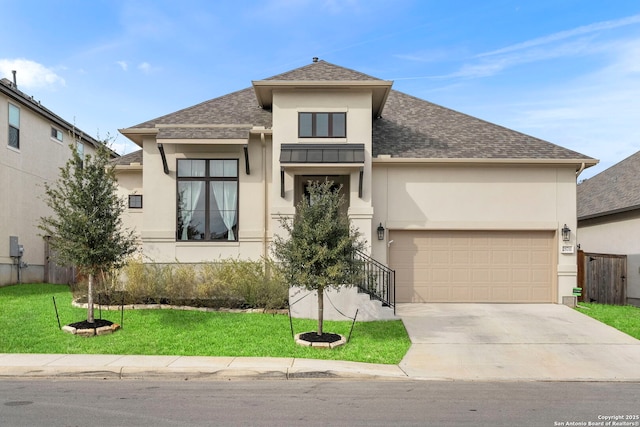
319,251
86,227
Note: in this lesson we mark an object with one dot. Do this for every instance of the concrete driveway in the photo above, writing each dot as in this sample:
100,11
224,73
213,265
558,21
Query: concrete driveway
547,342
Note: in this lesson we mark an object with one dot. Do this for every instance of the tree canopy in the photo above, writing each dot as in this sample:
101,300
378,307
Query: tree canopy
319,251
86,228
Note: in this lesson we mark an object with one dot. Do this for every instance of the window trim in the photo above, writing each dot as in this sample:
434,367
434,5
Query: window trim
207,179
14,127
314,118
133,197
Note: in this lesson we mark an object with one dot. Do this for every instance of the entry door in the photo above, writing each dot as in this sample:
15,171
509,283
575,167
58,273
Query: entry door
302,183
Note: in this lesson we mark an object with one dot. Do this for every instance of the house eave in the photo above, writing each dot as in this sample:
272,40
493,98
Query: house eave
198,141
137,134
577,163
128,168
609,213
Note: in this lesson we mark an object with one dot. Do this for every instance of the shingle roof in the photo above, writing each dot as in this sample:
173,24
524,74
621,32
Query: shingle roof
127,159
410,127
414,128
323,71
234,108
613,190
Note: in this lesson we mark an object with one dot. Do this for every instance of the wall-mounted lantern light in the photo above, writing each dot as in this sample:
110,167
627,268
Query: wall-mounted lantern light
566,233
380,232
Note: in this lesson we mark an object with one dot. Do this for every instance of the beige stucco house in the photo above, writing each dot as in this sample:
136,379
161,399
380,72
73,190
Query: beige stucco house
34,144
468,210
609,218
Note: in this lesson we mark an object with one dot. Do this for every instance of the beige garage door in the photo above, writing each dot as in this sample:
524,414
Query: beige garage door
473,266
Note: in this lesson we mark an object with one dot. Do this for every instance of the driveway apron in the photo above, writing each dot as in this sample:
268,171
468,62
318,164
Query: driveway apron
543,342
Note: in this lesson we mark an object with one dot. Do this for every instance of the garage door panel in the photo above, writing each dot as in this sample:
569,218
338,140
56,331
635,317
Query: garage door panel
473,266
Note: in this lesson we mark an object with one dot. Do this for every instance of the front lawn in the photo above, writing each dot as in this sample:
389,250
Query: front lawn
29,325
625,318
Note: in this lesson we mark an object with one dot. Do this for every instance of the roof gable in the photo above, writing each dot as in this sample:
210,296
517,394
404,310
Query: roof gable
613,190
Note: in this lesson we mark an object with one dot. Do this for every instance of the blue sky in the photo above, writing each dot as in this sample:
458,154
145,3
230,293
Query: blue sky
562,70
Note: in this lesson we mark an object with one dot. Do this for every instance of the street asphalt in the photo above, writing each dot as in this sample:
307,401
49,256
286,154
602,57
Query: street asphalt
450,342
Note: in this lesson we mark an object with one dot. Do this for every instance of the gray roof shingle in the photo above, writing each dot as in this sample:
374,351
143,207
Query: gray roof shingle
414,128
613,190
127,159
410,127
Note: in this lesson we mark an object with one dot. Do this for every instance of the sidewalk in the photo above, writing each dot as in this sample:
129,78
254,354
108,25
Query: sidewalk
98,366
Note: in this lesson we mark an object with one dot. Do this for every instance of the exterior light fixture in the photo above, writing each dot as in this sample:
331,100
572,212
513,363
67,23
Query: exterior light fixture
380,232
566,233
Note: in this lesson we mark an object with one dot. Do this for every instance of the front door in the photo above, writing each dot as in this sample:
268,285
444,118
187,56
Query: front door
302,184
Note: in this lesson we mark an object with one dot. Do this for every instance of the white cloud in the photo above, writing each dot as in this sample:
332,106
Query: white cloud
123,65
585,29
145,67
30,74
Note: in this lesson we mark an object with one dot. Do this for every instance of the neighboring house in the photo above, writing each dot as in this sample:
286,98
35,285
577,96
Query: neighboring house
35,145
609,218
468,211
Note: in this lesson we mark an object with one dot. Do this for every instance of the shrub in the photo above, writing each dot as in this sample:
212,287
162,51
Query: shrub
228,283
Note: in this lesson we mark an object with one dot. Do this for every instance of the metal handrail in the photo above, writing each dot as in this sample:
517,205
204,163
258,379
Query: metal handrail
378,280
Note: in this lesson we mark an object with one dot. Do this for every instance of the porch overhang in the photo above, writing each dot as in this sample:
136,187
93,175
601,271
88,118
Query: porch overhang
320,154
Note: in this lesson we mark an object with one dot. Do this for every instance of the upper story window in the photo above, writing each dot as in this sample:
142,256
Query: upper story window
14,126
80,151
207,200
56,134
322,125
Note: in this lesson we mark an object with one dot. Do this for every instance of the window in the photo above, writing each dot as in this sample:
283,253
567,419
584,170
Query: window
14,126
135,201
56,134
207,200
322,125
80,151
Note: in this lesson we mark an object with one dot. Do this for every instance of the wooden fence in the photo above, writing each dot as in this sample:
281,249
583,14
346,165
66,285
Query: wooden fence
602,278
54,273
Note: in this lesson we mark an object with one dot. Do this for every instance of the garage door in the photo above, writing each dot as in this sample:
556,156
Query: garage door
473,266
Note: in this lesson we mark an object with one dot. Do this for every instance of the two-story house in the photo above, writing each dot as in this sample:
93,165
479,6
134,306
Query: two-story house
35,145
463,210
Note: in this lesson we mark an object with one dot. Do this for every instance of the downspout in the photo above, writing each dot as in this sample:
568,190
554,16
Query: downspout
265,249
582,167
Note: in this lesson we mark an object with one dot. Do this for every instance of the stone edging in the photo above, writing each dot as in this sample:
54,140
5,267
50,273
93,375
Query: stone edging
89,332
180,307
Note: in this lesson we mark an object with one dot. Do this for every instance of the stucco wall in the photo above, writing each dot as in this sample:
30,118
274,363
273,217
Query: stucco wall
23,173
158,228
477,197
357,104
616,234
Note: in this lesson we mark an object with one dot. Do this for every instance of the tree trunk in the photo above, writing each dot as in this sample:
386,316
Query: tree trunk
90,317
320,309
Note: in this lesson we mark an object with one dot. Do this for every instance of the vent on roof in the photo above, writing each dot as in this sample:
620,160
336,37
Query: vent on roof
315,59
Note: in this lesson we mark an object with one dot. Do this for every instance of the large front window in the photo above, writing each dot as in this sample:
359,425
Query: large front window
207,200
322,125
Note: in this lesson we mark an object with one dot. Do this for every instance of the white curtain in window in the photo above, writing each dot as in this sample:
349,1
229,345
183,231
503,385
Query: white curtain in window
226,196
190,195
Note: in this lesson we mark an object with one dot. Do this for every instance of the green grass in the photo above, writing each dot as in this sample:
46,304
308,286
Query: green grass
29,325
624,318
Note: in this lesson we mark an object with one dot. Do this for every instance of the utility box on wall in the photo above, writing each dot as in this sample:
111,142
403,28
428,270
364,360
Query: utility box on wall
15,250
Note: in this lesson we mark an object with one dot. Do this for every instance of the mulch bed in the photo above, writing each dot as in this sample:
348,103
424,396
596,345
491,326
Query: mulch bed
314,337
98,323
